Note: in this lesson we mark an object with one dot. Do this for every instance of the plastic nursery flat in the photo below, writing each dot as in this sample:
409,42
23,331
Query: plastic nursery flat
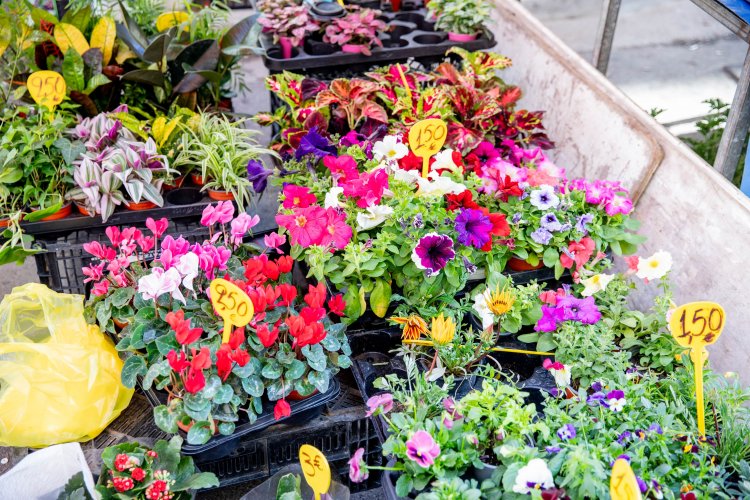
409,35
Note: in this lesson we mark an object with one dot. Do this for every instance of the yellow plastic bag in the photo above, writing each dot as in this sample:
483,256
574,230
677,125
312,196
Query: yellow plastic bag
59,376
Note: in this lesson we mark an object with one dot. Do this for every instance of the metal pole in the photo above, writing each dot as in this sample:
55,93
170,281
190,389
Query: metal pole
605,34
738,123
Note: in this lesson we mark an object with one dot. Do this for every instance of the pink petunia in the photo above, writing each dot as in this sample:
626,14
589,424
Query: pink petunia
305,225
618,205
297,197
368,188
337,232
343,168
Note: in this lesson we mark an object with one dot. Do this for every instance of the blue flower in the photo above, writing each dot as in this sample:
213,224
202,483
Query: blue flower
582,223
550,223
544,198
552,449
312,143
655,428
541,236
566,432
258,175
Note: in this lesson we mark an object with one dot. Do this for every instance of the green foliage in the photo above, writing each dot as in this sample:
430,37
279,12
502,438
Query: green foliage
460,16
289,488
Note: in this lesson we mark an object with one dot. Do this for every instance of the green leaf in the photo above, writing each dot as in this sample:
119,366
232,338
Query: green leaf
165,420
295,370
253,385
160,369
199,433
550,257
95,82
224,394
403,485
72,70
380,298
147,76
121,296
278,390
226,428
320,380
157,49
131,369
200,480
353,309
272,370
208,60
212,386
145,314
166,343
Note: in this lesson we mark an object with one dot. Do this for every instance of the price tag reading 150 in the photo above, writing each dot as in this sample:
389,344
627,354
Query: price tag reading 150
316,469
47,88
232,304
426,137
697,324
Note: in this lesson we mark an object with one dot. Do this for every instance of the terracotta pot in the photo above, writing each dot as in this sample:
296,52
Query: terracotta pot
197,179
351,48
296,396
64,211
82,210
176,184
460,37
517,264
286,47
4,222
144,205
120,324
220,195
396,5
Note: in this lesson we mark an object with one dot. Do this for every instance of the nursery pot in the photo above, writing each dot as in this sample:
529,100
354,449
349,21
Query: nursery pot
352,48
64,211
396,5
120,324
82,210
286,47
460,37
517,264
484,473
184,196
197,179
143,205
296,396
220,195
176,184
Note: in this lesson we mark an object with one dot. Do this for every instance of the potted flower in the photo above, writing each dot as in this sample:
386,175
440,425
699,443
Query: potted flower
131,470
462,19
289,25
221,149
357,32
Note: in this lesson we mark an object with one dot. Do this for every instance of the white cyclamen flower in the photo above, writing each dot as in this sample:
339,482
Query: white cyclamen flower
596,283
654,267
188,266
533,476
373,216
390,148
160,282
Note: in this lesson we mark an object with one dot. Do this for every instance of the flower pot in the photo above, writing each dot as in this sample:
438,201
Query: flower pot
352,48
143,205
484,473
176,184
120,324
184,196
83,211
220,195
64,211
296,396
396,5
460,37
286,47
197,179
517,264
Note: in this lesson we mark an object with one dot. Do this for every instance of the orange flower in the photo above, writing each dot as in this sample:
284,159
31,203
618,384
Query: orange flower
414,326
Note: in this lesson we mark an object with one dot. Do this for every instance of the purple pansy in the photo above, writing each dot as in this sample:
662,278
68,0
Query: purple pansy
382,402
552,449
596,386
624,436
641,484
596,399
312,143
357,467
615,400
433,252
541,236
655,428
550,222
258,175
473,228
544,198
422,449
566,432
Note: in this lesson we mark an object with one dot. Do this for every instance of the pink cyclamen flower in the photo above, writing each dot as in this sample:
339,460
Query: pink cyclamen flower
99,251
357,467
422,449
114,235
93,273
146,243
297,197
382,402
100,288
241,225
157,227
222,213
178,246
274,241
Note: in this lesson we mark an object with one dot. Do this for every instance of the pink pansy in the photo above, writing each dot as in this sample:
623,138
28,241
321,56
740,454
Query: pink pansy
157,227
241,225
99,251
548,364
93,273
222,213
297,196
369,188
305,225
274,240
337,232
100,288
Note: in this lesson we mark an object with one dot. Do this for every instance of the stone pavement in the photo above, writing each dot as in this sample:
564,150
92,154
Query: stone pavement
667,54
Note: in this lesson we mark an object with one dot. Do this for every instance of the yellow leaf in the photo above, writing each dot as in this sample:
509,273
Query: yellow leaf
157,129
123,53
67,36
103,38
4,38
168,130
169,19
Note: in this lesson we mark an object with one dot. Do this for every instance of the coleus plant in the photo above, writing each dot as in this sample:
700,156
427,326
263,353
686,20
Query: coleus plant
358,27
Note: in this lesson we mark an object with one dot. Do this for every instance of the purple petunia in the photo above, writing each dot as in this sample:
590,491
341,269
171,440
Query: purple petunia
541,236
517,217
486,153
544,198
418,221
550,222
566,432
433,252
312,143
583,222
422,448
582,310
258,175
473,228
470,267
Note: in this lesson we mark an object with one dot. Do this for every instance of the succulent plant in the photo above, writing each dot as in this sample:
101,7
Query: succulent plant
358,27
292,21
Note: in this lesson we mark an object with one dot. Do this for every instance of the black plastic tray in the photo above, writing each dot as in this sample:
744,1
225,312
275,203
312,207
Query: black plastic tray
221,446
411,36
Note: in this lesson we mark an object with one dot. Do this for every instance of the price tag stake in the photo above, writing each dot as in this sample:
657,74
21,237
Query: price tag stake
623,485
696,325
316,469
426,137
232,304
47,88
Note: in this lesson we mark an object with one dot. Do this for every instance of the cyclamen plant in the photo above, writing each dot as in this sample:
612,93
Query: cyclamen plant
292,21
359,27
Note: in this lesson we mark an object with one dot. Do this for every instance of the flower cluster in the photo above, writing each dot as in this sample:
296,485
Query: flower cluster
561,306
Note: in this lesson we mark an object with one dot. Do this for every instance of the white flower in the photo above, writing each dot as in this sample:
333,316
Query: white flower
373,216
533,476
481,307
655,266
436,185
444,161
390,148
332,198
160,282
406,176
562,377
596,283
616,404
188,267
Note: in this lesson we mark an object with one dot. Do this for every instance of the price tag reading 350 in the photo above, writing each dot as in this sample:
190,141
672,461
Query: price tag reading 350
623,485
47,88
232,304
426,138
696,325
316,469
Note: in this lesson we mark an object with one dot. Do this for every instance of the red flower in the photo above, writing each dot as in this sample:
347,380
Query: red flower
500,227
184,334
410,162
237,338
285,264
548,297
177,361
312,314
578,252
271,270
195,381
288,294
224,361
337,304
202,360
305,334
254,271
507,188
462,200
241,357
474,163
632,262
458,160
316,295
122,484
282,409
266,337
151,454
138,474
122,462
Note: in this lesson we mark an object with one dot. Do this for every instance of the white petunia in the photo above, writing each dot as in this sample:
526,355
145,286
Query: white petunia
533,476
596,283
437,185
406,176
390,148
654,267
332,198
373,216
444,161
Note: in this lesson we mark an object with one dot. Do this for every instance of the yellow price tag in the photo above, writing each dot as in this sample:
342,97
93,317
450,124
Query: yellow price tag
316,469
696,325
623,484
47,88
426,137
232,304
